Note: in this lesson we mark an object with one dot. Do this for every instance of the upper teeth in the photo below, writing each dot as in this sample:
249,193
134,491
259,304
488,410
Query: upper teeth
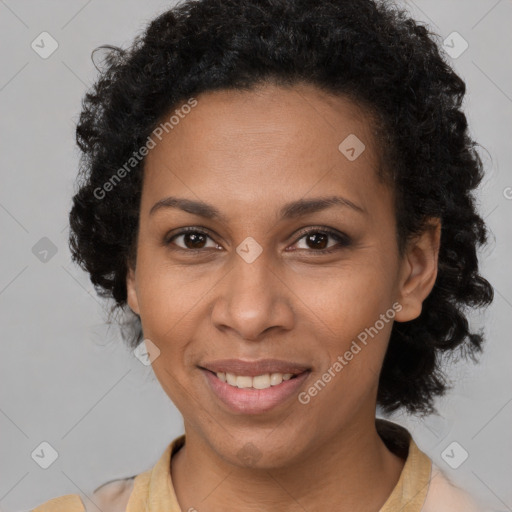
259,382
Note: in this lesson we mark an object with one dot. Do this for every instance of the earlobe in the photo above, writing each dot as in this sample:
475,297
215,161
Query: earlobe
131,291
419,271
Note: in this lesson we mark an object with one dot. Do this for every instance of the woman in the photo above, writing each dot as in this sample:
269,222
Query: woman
280,194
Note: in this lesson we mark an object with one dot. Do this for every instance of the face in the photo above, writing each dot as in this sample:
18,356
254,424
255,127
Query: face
290,255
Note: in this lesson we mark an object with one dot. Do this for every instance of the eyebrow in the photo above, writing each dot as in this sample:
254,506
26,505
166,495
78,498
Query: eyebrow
288,211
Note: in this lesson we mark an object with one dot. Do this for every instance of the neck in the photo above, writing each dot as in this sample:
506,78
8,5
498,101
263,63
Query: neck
353,470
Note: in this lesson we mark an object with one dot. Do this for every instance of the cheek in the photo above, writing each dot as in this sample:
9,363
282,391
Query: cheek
167,293
171,378
171,299
355,353
353,307
349,297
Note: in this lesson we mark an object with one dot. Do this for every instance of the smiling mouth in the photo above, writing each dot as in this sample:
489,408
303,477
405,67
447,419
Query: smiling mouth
263,381
258,394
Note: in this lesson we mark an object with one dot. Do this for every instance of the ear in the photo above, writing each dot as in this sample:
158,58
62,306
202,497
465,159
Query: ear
131,291
418,271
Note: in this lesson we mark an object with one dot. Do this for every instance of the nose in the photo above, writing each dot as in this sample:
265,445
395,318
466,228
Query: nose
253,299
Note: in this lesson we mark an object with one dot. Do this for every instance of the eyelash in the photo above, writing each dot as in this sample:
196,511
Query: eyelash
342,239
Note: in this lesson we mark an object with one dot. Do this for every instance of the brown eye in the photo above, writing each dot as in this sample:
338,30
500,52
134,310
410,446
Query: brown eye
191,239
317,240
194,240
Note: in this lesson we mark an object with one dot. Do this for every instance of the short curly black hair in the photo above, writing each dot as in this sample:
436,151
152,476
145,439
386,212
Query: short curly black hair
367,50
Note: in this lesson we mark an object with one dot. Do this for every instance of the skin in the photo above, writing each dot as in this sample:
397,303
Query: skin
248,153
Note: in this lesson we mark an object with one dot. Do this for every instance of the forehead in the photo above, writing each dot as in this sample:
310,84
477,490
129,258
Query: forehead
272,141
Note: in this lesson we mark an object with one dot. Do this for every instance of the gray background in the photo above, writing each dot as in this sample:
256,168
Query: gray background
66,377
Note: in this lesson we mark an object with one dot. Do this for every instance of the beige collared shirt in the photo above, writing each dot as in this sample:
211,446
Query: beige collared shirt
422,487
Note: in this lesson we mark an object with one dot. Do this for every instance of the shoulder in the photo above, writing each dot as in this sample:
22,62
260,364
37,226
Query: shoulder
110,497
113,496
69,503
444,496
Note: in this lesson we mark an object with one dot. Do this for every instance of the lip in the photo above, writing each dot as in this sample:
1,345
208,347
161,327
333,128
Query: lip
254,401
254,368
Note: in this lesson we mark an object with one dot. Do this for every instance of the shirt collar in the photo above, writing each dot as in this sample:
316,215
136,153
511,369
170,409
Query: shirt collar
153,490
